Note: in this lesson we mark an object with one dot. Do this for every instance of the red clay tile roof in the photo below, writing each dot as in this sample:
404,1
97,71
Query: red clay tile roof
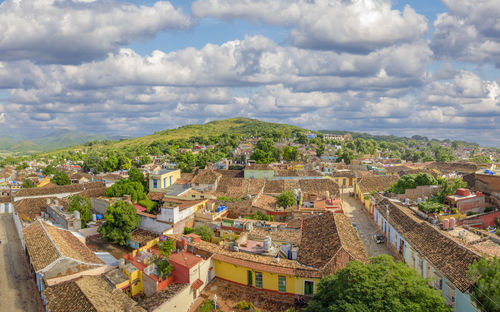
156,196
255,265
185,259
33,207
206,177
46,243
377,183
319,186
197,284
72,188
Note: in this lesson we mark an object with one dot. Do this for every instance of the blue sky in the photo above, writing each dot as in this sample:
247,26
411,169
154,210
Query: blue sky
135,67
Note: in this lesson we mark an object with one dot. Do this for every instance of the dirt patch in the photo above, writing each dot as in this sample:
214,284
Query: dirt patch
97,244
229,294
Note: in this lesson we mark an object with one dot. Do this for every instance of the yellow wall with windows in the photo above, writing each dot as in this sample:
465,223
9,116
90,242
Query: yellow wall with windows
239,274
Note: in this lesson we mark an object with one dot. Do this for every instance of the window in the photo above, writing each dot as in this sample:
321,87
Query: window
282,284
155,183
308,288
250,278
164,183
258,279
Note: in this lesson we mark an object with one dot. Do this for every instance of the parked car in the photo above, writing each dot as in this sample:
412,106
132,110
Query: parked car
379,238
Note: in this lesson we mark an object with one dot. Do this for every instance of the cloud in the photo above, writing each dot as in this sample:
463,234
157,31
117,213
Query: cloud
69,32
357,26
470,31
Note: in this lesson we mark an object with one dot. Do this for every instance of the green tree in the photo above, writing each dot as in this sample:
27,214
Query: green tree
166,247
286,199
382,285
27,183
346,155
164,267
204,232
411,181
127,187
82,205
120,220
290,153
135,175
60,178
485,274
49,170
444,154
320,150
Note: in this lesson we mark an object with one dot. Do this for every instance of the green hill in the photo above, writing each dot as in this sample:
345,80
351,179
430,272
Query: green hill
238,125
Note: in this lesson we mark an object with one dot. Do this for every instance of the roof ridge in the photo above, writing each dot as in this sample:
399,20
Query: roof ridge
50,238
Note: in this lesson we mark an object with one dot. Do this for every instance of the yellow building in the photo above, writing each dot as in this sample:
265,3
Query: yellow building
44,182
161,179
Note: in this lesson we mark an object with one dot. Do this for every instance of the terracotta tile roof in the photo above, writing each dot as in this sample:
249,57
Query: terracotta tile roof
72,188
255,265
265,202
33,207
284,235
4,199
297,173
258,167
88,294
185,178
197,284
454,166
279,186
398,169
185,259
70,246
142,236
94,192
344,174
41,250
377,183
151,303
322,238
206,177
156,196
445,254
46,243
319,186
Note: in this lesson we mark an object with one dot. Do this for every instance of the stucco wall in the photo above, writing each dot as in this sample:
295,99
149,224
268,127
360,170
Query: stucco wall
180,302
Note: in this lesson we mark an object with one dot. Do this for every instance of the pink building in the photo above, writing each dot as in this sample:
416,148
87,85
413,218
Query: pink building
465,200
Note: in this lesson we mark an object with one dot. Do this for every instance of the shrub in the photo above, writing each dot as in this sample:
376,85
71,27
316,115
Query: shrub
148,204
188,230
243,305
207,306
488,209
470,213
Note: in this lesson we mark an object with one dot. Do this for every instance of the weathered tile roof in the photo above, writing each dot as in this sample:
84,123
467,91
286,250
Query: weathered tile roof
265,202
206,177
33,207
297,173
377,183
454,166
185,178
282,235
258,167
72,188
279,186
46,243
322,238
156,196
445,254
344,174
151,303
94,192
88,294
319,186
142,236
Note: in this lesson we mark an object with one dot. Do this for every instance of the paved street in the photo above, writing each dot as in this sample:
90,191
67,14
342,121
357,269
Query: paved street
354,209
17,290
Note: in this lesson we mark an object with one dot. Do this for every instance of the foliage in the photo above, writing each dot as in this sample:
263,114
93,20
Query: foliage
22,166
243,305
444,154
126,187
290,153
188,230
28,183
164,267
151,206
166,247
49,170
485,274
120,220
260,216
135,175
265,152
481,159
207,306
60,178
431,206
380,285
186,161
488,209
204,232
411,181
320,150
228,199
448,187
346,154
286,199
82,205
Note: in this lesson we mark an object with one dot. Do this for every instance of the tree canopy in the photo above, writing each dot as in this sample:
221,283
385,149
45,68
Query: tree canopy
382,285
82,205
60,178
485,274
411,181
120,220
286,199
265,152
127,187
27,183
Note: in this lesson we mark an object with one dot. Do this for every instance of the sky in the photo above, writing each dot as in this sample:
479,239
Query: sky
134,67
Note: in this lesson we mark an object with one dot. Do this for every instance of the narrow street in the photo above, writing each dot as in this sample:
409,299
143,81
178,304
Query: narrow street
354,209
17,290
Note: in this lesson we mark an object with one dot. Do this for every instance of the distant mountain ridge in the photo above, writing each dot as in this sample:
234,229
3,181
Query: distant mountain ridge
57,139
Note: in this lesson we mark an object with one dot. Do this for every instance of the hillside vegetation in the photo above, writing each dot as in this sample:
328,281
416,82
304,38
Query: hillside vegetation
238,125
